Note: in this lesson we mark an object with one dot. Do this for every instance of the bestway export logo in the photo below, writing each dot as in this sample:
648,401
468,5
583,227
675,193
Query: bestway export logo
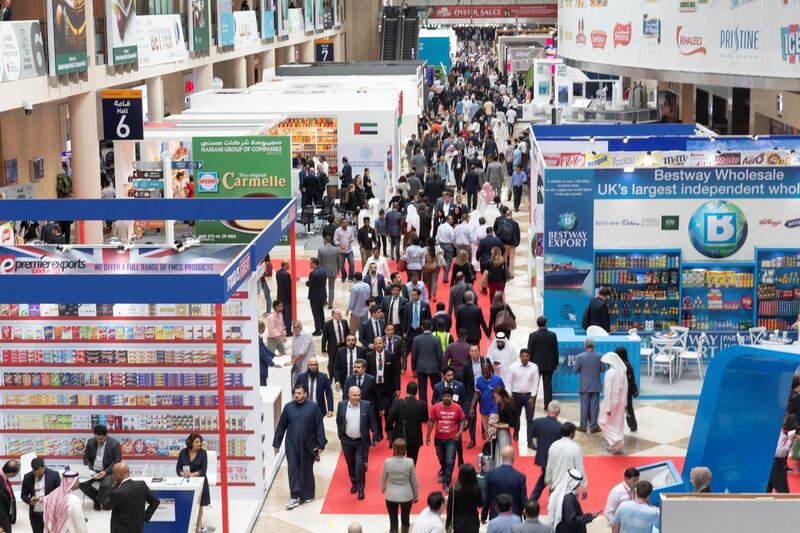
718,229
208,182
689,45
622,34
7,264
790,44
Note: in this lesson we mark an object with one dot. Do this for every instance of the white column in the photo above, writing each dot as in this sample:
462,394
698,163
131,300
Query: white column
203,77
85,156
266,60
155,99
239,73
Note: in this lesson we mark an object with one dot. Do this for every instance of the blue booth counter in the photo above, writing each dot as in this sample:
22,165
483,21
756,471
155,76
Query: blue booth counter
570,344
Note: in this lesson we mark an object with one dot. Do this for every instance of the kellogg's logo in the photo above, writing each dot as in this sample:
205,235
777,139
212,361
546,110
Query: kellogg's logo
599,39
580,38
689,45
622,34
729,158
651,28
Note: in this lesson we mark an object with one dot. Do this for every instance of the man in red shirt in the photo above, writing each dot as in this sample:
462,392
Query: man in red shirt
450,422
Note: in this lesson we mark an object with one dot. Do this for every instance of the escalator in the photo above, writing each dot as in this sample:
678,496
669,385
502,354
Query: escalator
390,23
410,36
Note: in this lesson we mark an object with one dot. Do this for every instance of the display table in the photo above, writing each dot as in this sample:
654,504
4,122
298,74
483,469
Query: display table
180,503
570,344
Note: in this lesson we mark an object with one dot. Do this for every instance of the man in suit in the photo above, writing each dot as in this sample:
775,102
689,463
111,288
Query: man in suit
589,366
346,176
504,479
405,420
393,305
485,245
470,317
433,189
284,282
355,420
371,328
362,380
396,345
531,523
317,294
441,317
334,336
376,282
546,430
5,10
397,279
8,503
543,346
472,370
457,292
427,359
507,230
37,484
394,220
318,386
346,357
598,310
384,366
416,311
328,257
100,455
126,500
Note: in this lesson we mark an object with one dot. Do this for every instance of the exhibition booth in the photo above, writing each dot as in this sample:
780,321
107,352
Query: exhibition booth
686,229
360,123
154,342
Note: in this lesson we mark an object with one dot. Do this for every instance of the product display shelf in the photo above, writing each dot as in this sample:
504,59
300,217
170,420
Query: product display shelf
645,287
195,359
312,136
778,288
717,297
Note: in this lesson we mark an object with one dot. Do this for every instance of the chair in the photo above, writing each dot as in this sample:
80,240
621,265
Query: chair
307,218
596,331
211,471
741,339
694,355
683,337
756,334
645,352
662,357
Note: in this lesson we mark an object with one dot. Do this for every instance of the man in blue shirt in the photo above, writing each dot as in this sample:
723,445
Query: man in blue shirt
636,516
505,518
518,179
484,385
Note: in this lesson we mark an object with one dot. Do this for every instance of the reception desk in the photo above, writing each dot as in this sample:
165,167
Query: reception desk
180,504
570,344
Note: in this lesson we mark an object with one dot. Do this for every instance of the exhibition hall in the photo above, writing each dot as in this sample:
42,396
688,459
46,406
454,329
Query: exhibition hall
369,266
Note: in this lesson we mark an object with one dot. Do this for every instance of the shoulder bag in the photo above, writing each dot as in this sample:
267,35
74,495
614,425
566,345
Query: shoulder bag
505,321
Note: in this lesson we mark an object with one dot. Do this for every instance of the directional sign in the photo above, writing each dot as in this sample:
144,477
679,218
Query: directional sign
123,118
323,50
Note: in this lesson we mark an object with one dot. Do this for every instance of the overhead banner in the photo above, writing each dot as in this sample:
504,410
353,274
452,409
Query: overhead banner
200,27
731,37
267,19
66,37
21,51
160,40
319,14
246,29
226,27
121,32
308,14
283,17
530,10
236,167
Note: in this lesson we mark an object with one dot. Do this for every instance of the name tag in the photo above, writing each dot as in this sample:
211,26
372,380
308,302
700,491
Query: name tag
455,398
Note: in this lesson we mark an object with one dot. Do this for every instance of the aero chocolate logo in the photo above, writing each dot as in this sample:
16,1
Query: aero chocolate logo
622,34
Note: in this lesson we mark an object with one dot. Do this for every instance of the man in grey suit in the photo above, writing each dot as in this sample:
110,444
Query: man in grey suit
589,366
426,359
328,257
531,523
457,292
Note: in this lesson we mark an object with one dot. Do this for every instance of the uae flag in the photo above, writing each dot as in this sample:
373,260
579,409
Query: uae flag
365,128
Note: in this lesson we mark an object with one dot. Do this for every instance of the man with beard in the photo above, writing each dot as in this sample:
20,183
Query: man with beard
384,366
318,386
346,358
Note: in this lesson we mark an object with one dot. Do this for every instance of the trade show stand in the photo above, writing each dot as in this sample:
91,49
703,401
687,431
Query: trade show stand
570,344
92,335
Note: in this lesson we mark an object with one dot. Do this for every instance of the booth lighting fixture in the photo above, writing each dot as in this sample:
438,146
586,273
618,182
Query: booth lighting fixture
179,246
754,137
718,152
628,170
594,153
625,140
61,247
591,140
712,139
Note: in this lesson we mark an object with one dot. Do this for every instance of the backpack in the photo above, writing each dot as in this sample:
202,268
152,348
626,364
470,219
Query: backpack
505,231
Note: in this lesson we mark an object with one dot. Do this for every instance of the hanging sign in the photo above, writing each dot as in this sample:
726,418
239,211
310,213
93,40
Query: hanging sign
323,50
123,118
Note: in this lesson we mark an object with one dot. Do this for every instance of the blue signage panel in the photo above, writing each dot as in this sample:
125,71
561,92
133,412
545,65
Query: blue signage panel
436,51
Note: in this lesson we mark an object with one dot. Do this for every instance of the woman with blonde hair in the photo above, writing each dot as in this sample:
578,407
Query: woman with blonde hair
496,273
462,264
399,483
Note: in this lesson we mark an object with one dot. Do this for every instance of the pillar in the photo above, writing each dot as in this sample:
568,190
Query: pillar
83,117
203,77
687,103
239,73
250,65
266,60
155,99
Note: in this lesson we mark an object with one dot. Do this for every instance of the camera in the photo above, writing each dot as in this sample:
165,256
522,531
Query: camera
28,107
